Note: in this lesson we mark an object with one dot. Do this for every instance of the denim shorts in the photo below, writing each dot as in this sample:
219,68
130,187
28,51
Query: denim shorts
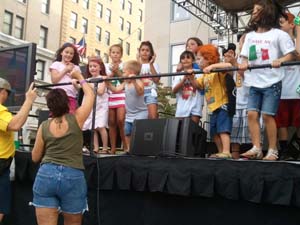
149,99
61,187
220,122
128,128
265,100
5,192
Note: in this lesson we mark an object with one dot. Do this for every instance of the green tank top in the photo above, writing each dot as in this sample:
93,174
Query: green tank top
65,150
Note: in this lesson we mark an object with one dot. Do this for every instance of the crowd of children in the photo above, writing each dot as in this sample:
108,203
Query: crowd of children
259,98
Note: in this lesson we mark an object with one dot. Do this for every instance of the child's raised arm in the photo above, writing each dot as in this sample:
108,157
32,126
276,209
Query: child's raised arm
138,85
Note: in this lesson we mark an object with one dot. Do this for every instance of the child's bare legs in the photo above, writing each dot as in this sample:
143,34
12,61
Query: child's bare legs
112,129
235,150
225,139
271,130
254,127
127,140
218,143
104,137
152,111
121,121
96,141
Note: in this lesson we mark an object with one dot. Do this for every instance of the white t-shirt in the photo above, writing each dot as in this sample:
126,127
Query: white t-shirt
290,82
189,100
148,82
263,48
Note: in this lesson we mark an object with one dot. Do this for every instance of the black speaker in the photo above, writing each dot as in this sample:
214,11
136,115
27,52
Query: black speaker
149,138
168,137
192,139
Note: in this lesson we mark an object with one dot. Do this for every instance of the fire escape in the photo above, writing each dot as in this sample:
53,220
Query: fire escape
224,24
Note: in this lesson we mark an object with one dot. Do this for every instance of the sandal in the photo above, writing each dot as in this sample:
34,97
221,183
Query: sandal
221,155
272,155
104,151
253,153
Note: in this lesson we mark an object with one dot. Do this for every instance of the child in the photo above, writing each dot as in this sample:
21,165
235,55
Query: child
189,100
192,44
289,106
146,57
134,100
67,59
96,69
264,44
116,101
216,97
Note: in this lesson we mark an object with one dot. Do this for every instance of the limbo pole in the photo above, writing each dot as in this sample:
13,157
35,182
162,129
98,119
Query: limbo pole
228,69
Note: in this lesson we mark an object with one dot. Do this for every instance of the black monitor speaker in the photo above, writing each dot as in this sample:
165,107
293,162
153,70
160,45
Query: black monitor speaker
192,139
167,137
148,137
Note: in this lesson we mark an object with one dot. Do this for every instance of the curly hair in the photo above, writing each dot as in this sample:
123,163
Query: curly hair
75,60
98,60
57,102
210,53
150,46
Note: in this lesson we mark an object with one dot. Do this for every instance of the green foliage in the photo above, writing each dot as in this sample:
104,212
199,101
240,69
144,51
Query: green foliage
166,102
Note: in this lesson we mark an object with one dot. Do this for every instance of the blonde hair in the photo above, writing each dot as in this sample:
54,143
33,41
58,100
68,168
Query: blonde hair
133,66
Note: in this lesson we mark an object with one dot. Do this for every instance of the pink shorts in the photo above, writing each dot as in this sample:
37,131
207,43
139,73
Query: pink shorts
288,113
72,105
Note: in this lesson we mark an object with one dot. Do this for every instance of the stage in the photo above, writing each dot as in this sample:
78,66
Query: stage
162,191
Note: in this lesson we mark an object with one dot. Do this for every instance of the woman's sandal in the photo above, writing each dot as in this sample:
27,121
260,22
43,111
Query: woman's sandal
104,151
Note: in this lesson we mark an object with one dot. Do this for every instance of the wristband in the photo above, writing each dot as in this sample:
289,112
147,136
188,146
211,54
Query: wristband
82,82
297,21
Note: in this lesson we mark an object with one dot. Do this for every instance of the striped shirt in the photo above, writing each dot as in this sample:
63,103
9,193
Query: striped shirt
115,99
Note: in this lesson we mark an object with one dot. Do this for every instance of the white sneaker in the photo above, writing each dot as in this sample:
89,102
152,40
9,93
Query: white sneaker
85,149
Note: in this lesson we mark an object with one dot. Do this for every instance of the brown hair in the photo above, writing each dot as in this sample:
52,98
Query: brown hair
57,102
98,60
197,40
150,46
75,60
117,46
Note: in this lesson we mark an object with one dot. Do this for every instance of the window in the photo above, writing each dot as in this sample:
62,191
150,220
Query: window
23,1
176,50
99,10
127,48
179,13
120,40
84,24
85,4
43,36
139,34
73,22
140,15
7,22
98,52
121,23
128,27
45,6
108,16
105,58
75,1
129,8
98,33
40,69
72,40
107,38
122,4
19,27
